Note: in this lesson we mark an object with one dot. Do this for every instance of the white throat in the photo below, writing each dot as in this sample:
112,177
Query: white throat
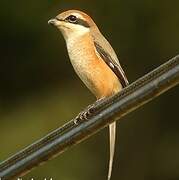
73,31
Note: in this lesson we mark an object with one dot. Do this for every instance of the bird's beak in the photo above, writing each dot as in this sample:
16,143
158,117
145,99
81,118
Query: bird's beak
52,22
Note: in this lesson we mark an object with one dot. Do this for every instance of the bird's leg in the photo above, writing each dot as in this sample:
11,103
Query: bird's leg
87,112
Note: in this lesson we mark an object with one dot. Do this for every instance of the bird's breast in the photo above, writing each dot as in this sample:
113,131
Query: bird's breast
80,52
91,69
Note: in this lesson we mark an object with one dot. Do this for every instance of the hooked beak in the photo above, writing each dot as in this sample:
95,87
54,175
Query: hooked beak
52,22
55,21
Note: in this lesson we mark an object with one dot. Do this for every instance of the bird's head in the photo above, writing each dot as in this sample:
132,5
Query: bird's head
73,23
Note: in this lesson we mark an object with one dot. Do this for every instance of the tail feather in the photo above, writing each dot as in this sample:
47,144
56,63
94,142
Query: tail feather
112,139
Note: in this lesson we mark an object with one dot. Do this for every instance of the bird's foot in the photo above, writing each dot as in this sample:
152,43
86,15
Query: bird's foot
86,113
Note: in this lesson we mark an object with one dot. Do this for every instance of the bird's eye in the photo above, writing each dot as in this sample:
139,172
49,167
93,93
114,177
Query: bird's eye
72,18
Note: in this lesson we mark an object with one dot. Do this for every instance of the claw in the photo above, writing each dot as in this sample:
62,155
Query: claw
85,114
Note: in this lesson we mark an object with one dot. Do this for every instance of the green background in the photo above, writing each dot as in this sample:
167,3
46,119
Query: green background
39,90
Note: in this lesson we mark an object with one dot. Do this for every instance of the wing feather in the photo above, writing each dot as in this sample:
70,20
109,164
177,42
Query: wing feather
113,64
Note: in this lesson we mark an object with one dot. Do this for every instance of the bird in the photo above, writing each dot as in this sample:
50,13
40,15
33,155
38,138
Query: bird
93,59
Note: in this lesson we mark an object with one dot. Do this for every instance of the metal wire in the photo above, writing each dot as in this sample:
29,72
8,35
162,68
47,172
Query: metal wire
103,113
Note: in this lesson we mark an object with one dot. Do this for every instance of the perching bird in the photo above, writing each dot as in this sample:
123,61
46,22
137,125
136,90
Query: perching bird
93,59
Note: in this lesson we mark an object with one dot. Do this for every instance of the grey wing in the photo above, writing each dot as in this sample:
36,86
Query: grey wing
111,60
108,55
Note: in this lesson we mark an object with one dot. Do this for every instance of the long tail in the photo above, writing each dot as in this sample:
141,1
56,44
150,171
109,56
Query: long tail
112,139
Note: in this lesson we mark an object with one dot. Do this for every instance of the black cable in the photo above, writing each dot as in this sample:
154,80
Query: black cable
104,112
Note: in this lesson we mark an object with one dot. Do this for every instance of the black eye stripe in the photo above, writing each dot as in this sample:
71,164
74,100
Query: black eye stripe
73,19
83,23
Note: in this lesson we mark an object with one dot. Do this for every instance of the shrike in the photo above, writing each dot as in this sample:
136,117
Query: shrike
93,59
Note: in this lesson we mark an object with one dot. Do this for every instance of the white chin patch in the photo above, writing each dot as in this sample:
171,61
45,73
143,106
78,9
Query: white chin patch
71,31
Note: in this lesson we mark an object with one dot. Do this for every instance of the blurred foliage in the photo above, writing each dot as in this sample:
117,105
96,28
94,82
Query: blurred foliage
40,91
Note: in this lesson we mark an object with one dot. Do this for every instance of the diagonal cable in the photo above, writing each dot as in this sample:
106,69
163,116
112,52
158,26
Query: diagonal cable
104,112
